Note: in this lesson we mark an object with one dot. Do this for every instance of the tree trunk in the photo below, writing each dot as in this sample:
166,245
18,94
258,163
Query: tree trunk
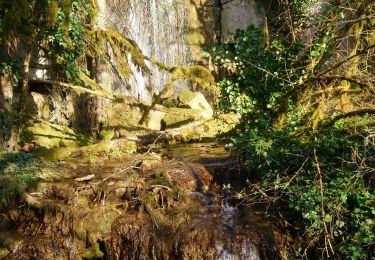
21,106
6,92
97,107
25,80
6,97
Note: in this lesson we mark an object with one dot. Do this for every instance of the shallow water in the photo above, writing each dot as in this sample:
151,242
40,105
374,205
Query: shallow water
113,208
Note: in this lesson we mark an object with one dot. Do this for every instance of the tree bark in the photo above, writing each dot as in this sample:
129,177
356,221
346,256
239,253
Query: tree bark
97,107
21,106
25,80
6,92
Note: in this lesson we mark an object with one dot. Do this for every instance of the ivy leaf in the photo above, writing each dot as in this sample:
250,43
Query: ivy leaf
339,223
328,218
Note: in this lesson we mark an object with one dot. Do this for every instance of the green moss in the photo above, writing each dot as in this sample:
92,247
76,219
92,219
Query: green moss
124,118
198,75
47,135
186,96
93,252
105,147
180,116
121,47
3,252
53,9
210,129
106,135
196,38
170,102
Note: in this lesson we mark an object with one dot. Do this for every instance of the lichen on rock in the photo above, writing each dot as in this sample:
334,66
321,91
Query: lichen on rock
196,100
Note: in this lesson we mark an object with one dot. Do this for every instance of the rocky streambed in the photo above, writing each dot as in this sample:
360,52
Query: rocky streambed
163,203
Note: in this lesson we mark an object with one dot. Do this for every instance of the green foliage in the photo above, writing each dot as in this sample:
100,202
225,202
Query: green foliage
22,17
257,77
106,135
65,38
315,170
17,172
11,68
287,170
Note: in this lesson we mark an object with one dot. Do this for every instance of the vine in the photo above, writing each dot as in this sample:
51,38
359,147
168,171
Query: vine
306,131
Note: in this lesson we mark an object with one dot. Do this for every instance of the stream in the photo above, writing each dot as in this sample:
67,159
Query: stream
165,203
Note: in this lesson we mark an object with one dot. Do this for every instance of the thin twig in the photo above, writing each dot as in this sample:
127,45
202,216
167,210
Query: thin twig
327,239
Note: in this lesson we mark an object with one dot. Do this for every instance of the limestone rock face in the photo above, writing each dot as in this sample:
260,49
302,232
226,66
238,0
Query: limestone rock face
196,100
239,14
154,120
41,105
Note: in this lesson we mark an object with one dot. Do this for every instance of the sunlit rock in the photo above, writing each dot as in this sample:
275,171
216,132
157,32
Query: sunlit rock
196,100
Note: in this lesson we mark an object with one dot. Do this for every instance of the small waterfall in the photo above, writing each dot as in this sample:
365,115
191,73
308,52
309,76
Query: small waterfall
160,28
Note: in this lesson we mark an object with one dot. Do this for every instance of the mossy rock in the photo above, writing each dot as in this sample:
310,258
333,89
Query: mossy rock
196,100
210,129
106,135
180,116
154,120
106,147
124,114
123,118
3,252
93,252
170,102
47,135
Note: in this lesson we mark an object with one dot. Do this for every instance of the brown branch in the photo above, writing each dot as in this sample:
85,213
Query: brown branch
327,237
318,76
351,80
343,62
76,88
350,114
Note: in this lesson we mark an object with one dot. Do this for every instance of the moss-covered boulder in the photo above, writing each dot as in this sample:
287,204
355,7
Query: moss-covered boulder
196,100
177,117
154,121
47,135
123,118
170,102
120,146
206,130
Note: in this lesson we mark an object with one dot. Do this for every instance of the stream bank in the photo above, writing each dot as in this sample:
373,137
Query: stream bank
164,203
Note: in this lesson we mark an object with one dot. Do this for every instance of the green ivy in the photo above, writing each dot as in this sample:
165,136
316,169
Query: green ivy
66,39
293,160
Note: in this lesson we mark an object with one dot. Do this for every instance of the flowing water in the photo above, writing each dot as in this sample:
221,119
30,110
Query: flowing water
165,204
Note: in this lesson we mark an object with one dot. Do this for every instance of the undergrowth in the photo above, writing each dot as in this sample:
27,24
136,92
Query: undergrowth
307,128
18,173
